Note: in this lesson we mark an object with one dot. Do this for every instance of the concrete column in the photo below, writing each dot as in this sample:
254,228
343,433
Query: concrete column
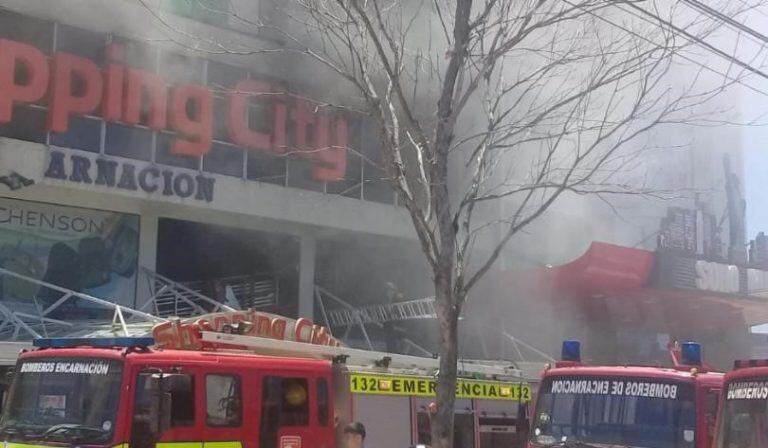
147,255
307,254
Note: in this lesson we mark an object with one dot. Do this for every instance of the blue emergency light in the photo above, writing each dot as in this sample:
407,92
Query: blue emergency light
690,353
571,351
92,342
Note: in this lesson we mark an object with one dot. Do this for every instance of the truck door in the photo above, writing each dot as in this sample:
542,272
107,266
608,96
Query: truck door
180,408
295,412
709,397
224,410
464,429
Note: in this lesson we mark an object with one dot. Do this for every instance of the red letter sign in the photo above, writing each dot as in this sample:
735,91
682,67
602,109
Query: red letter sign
198,128
331,158
140,81
239,131
13,54
66,102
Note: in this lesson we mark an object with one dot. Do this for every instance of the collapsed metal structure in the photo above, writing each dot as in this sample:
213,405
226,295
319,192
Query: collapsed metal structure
76,314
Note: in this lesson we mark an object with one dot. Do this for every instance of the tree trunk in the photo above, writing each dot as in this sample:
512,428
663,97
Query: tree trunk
448,319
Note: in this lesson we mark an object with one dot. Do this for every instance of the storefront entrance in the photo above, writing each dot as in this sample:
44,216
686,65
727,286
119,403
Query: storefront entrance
209,258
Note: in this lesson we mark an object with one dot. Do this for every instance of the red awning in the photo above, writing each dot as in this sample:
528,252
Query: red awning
604,268
624,273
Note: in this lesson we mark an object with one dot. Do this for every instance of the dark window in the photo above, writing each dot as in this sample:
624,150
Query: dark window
27,29
463,430
223,400
84,133
180,69
222,79
350,186
364,139
220,118
130,142
288,398
323,403
137,55
27,124
264,167
300,174
713,401
424,436
223,76
81,42
224,159
376,186
165,157
183,403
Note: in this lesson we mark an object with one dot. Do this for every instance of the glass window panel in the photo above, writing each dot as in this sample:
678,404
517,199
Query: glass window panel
84,133
27,29
138,55
28,124
224,159
300,174
266,168
223,400
376,186
128,141
177,68
165,157
81,42
351,185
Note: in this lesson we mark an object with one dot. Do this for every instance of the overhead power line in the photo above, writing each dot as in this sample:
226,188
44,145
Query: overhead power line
682,56
701,42
712,12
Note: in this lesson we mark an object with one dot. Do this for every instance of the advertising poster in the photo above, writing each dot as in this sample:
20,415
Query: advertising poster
84,250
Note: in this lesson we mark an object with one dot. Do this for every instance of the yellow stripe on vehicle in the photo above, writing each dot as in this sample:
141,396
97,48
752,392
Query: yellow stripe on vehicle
416,386
223,445
179,445
24,445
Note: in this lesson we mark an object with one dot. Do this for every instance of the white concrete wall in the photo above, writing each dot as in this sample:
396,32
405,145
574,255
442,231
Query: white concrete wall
237,203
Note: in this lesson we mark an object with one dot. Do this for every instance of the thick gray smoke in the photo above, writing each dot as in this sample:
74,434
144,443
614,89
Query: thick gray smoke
679,159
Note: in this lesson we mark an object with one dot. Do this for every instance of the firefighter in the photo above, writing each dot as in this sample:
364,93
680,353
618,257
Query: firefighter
354,435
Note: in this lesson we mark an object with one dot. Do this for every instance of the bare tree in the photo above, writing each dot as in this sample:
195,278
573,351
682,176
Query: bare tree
520,101
515,100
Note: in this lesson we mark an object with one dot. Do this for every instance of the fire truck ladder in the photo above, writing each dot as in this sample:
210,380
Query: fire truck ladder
387,312
351,316
365,360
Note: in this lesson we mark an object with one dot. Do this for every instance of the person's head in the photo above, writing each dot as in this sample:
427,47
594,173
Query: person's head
354,435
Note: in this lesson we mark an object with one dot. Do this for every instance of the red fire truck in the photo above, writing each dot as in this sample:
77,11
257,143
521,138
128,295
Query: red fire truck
219,386
627,406
743,418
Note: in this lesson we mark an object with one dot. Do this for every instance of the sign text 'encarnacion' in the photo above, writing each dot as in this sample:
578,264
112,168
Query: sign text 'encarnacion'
615,387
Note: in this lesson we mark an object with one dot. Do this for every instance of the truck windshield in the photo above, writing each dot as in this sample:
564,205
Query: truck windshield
744,422
624,412
70,400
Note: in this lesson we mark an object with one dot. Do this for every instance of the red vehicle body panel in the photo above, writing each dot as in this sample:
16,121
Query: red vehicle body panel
250,367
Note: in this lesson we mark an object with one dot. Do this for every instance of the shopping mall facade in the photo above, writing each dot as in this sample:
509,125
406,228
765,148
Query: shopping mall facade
131,166
125,156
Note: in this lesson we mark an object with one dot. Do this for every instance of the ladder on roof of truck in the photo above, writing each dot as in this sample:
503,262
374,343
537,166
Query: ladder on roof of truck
385,312
363,359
